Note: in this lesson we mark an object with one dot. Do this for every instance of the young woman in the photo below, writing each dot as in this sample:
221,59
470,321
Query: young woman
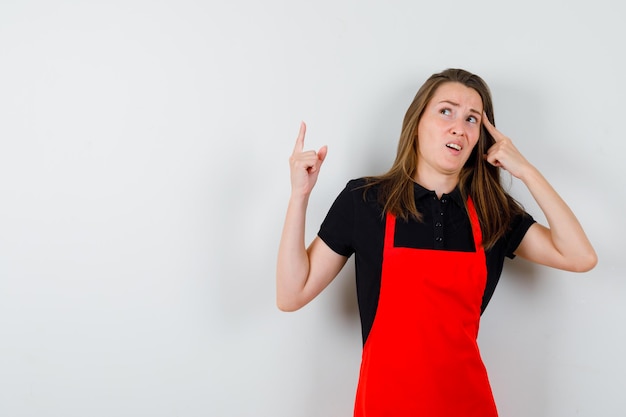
429,239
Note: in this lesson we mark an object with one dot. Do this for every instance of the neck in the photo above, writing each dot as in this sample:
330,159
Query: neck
440,184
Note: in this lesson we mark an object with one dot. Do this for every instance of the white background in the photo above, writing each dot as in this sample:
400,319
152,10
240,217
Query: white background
144,180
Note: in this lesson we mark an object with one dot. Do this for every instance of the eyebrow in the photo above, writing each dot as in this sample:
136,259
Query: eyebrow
457,105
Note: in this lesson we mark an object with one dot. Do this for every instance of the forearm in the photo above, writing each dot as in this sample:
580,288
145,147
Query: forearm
565,231
293,261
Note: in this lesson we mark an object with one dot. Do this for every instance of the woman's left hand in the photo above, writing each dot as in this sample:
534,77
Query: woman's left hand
563,244
503,153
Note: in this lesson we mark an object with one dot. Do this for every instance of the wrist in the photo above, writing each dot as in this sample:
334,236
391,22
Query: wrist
297,199
530,174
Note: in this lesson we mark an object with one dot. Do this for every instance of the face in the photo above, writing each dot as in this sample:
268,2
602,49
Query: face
448,130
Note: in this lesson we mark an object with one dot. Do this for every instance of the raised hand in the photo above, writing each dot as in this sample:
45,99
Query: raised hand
503,153
305,165
563,244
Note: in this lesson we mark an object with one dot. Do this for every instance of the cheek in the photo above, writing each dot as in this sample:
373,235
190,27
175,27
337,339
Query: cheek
473,140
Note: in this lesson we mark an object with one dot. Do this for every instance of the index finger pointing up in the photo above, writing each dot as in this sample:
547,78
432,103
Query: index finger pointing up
300,140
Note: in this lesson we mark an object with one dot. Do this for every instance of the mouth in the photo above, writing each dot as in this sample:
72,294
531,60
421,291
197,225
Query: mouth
454,146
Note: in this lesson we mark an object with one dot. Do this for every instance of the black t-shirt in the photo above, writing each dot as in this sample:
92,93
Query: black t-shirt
355,225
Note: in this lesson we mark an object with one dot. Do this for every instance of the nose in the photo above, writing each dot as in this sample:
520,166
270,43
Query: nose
457,129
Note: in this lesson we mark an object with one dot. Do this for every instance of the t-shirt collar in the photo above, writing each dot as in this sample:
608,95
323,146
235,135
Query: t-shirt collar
421,192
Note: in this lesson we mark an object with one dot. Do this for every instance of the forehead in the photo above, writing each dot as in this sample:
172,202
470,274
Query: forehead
459,94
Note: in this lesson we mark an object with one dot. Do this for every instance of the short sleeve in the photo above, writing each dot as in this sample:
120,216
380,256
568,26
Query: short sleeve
519,227
337,229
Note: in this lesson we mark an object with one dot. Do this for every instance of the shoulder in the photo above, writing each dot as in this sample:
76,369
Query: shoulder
357,183
364,188
359,195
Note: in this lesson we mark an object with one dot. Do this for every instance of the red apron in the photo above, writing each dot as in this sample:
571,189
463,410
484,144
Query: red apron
421,357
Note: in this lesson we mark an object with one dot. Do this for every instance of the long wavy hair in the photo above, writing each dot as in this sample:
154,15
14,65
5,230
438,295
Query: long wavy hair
478,178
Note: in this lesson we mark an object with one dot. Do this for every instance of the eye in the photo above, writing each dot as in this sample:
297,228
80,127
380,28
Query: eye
472,119
445,112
